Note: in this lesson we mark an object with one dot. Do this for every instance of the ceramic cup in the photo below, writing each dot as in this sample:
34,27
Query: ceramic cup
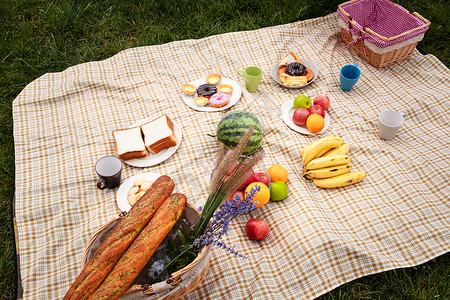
389,122
252,77
349,76
109,170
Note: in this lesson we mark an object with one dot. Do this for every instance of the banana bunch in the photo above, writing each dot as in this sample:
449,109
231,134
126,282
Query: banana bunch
327,164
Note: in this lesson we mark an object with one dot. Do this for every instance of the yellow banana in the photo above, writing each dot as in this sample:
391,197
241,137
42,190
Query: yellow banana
327,161
343,149
327,172
305,151
340,180
320,145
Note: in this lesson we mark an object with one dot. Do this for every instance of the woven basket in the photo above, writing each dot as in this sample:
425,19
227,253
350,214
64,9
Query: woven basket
178,285
380,31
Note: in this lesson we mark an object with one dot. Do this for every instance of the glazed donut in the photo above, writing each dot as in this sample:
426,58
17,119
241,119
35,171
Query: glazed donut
188,89
213,79
295,69
225,88
206,90
219,100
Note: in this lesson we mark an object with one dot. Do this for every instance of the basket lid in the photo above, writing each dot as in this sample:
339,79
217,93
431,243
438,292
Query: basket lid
385,23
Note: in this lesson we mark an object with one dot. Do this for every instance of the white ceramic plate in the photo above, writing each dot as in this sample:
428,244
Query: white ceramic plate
154,159
287,110
308,64
125,187
234,96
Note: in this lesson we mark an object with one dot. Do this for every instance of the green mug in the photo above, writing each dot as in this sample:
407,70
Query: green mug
252,77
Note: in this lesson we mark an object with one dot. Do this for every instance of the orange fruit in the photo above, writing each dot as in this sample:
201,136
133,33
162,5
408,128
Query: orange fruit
277,173
262,196
315,123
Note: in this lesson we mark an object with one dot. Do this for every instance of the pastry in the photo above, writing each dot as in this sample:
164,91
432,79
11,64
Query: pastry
188,89
201,101
206,90
213,78
219,100
225,88
309,74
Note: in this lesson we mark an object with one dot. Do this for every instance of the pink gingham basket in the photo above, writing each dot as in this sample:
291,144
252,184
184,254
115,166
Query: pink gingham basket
380,31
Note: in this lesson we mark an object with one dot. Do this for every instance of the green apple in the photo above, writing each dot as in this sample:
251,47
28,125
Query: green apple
302,101
278,191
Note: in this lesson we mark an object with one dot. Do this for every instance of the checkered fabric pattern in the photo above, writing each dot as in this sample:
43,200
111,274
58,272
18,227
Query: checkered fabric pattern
319,239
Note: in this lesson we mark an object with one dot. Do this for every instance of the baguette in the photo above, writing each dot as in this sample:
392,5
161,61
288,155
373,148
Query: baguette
119,239
141,250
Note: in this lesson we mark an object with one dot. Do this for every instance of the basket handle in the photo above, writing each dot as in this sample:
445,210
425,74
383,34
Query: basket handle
368,30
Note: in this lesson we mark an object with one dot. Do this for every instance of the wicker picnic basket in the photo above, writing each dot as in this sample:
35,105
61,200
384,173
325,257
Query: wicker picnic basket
178,285
380,31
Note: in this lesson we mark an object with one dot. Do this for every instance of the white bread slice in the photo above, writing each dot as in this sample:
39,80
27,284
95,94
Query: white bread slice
289,58
129,143
159,134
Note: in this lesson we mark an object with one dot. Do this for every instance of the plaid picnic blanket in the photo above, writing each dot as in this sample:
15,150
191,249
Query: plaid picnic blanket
319,239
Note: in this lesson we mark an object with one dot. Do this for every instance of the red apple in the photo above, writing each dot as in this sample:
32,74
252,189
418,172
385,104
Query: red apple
300,115
317,109
240,194
261,177
323,101
249,180
257,229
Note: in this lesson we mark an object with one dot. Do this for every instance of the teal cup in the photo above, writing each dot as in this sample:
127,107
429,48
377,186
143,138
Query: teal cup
349,76
252,78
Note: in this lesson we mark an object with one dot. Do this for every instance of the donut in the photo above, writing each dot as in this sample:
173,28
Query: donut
225,88
201,101
219,100
213,79
188,89
295,69
206,90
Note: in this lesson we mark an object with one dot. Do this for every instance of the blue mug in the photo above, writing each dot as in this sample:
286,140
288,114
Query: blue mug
349,76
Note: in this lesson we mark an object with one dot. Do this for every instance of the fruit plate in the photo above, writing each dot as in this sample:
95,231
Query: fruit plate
234,96
287,110
308,64
125,187
154,159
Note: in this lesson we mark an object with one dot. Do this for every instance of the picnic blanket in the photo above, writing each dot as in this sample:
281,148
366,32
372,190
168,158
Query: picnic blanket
319,238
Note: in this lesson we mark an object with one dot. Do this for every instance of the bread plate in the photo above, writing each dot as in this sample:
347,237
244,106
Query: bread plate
234,96
125,187
154,159
308,64
287,110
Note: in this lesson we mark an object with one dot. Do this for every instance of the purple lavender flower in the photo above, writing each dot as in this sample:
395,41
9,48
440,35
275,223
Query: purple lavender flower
220,222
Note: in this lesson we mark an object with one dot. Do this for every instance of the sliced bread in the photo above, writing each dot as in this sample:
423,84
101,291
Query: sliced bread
159,134
129,143
289,58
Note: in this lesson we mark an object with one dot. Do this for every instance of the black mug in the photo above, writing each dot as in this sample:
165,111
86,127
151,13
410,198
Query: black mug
109,170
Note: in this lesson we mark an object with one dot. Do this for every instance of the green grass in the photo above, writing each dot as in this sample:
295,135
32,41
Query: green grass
38,37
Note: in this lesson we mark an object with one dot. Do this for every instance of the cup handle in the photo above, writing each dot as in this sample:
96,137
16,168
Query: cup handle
355,64
240,72
101,184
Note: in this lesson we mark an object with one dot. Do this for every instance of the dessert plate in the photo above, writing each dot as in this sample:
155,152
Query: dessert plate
125,187
154,159
308,64
287,110
234,96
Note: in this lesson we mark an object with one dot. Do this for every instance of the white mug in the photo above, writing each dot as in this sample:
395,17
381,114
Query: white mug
389,122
